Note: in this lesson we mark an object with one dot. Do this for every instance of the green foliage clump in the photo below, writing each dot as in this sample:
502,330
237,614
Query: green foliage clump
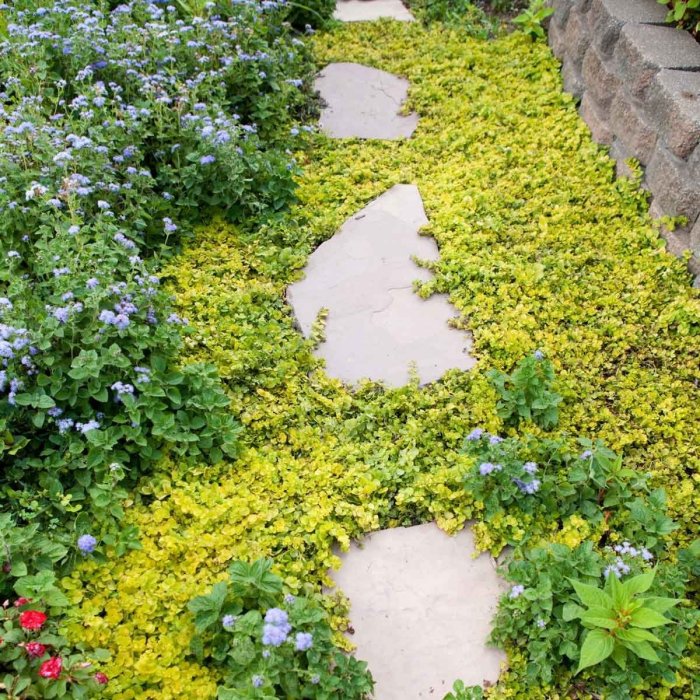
528,393
272,645
530,20
457,14
540,246
684,13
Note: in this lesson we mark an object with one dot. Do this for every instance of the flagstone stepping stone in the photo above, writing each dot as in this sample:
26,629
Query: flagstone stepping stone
368,10
363,102
421,610
377,327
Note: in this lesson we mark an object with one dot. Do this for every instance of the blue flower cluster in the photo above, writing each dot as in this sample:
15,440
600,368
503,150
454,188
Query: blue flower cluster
620,567
276,628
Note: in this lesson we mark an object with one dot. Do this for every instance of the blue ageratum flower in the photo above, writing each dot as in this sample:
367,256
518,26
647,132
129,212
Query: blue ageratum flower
87,544
304,641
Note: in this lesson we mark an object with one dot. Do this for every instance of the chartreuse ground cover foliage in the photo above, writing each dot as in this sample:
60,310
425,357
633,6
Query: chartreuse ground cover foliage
540,249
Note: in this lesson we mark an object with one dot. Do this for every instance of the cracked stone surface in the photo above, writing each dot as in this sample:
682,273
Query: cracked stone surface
363,102
421,610
368,10
377,327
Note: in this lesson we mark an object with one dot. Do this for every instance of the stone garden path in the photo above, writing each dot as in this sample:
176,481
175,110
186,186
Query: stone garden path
421,604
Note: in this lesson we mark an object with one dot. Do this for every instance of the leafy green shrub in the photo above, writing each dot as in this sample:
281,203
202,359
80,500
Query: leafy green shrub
530,21
459,14
271,645
542,615
528,393
36,661
618,618
463,692
684,13
310,13
552,479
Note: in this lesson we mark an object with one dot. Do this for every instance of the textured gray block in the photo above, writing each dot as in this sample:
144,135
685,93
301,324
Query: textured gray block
571,78
695,238
599,78
620,154
630,126
643,50
578,37
561,12
597,123
674,185
556,36
674,107
607,17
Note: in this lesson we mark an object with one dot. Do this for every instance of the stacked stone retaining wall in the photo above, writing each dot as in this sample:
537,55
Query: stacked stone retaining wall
638,81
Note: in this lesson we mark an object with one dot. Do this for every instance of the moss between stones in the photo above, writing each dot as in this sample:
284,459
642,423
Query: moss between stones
540,247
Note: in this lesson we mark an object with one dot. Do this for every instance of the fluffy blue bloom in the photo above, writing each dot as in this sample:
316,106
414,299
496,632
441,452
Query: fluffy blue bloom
539,355
87,427
257,681
530,467
92,283
586,454
87,544
64,425
494,439
228,621
304,641
207,160
487,468
516,591
276,616
274,636
475,434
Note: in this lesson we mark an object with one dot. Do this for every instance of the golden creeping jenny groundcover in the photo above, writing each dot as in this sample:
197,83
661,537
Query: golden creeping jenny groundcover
540,248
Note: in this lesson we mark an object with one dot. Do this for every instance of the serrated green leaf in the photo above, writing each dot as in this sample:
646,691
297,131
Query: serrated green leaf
597,646
647,618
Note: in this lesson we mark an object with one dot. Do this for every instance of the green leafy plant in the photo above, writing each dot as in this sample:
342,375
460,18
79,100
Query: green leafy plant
530,21
528,393
556,606
464,692
458,14
618,619
271,645
36,660
684,13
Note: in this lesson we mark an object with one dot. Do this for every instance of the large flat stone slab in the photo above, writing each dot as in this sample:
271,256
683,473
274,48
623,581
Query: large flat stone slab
363,102
369,10
377,327
421,610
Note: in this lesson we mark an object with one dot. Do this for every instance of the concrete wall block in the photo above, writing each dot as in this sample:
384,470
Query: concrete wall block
578,37
607,17
571,77
599,77
674,108
630,126
561,12
621,154
597,123
556,37
671,179
643,50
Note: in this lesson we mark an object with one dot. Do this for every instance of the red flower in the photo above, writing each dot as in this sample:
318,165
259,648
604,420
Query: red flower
51,668
22,601
35,649
32,619
101,678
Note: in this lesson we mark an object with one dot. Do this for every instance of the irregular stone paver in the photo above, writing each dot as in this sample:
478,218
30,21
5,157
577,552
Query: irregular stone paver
368,10
363,102
377,326
421,610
